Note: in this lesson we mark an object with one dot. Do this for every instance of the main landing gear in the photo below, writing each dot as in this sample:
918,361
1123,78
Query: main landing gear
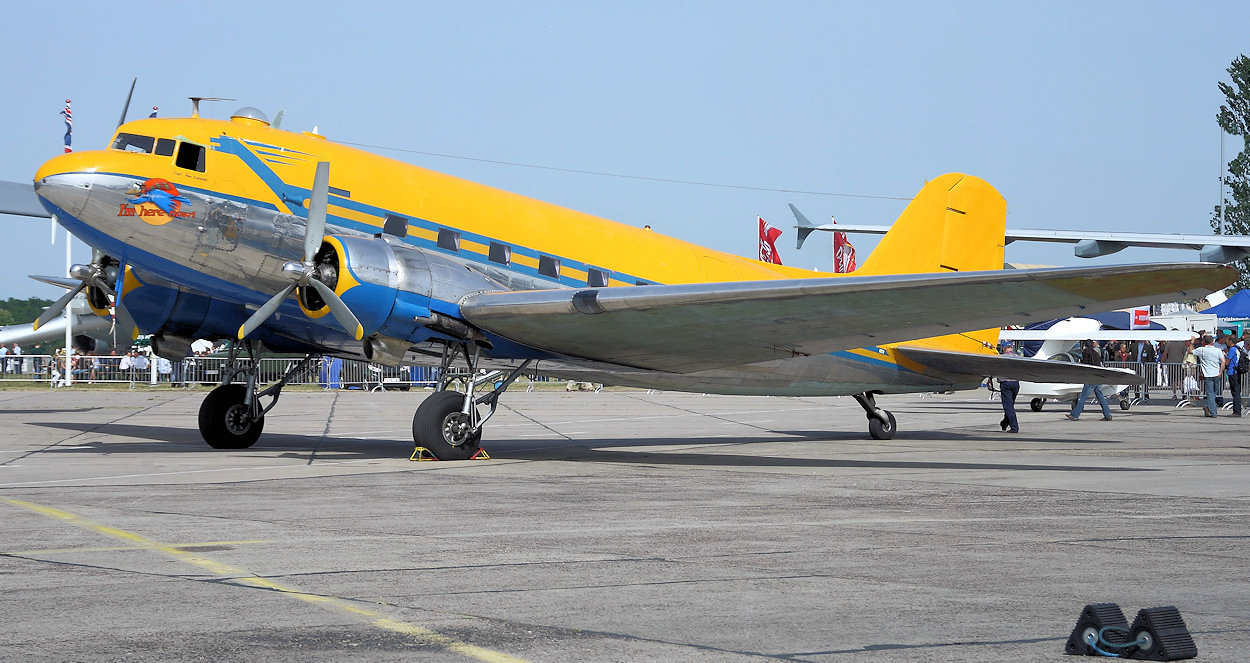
880,422
448,422
231,416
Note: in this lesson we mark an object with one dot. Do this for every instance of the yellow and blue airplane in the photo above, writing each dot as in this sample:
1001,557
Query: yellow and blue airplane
235,229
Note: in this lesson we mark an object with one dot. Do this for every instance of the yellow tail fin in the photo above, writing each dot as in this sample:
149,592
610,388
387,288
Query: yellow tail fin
955,224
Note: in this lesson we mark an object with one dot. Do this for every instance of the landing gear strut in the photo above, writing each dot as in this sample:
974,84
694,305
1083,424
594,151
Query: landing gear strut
448,422
880,422
231,416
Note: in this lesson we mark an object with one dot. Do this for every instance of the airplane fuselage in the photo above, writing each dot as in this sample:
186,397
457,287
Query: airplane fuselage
206,215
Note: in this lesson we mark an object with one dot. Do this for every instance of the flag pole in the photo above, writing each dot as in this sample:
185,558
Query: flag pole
69,314
69,258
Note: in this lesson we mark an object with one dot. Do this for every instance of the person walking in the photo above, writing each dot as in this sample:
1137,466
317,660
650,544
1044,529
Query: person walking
1091,357
1211,362
1007,391
1231,360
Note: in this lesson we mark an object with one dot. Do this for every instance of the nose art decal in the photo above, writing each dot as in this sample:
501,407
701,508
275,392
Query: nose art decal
156,202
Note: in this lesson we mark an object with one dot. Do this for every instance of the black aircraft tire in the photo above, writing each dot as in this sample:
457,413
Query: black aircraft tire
1036,404
880,431
223,404
429,422
1125,404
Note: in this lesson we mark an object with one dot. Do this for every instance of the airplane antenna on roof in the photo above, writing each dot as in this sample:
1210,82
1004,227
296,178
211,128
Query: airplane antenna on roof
195,103
277,119
126,107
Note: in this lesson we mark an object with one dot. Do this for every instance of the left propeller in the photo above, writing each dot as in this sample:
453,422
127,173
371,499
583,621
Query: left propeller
306,274
98,278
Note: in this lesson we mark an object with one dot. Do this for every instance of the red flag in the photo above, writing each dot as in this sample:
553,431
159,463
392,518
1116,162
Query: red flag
768,249
843,253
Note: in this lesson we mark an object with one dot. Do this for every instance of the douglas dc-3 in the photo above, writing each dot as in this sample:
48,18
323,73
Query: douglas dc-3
239,230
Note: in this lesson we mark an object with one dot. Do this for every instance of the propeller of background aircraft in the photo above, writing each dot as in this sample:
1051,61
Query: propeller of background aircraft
306,273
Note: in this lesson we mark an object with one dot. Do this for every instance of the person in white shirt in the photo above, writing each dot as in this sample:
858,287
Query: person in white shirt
1211,363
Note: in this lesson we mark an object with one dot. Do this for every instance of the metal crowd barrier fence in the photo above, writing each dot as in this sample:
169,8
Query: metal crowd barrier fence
208,371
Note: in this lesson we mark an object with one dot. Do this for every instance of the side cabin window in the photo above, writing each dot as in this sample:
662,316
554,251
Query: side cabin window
190,156
448,239
395,226
165,147
548,266
596,278
134,143
500,253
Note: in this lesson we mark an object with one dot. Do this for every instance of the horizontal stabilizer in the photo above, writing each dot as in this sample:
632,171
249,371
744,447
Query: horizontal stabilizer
19,198
1018,368
692,327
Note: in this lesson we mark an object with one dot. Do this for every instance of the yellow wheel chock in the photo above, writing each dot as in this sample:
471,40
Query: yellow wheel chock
421,453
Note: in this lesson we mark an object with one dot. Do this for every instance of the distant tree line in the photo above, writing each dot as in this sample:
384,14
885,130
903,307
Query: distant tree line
22,311
1234,119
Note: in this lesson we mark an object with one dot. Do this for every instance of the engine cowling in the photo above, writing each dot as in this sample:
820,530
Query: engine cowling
388,286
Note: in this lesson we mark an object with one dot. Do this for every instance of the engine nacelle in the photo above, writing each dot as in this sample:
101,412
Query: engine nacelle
388,286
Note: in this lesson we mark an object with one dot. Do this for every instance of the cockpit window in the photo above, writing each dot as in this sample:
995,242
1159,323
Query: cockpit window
165,147
134,143
190,156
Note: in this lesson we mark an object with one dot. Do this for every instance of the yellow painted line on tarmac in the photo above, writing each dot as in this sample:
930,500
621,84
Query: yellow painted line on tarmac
243,577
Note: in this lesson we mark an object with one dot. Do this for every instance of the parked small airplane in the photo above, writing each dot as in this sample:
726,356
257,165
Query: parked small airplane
1062,342
238,230
92,333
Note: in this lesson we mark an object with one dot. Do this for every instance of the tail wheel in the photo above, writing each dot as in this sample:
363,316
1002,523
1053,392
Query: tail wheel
880,430
1036,404
225,422
441,427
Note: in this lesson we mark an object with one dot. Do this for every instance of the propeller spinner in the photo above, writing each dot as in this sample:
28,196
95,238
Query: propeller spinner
305,273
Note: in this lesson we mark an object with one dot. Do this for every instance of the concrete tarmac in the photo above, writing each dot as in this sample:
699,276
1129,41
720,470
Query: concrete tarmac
613,526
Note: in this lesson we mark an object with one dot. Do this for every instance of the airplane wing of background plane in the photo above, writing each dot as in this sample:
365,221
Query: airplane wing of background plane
19,198
686,328
1089,244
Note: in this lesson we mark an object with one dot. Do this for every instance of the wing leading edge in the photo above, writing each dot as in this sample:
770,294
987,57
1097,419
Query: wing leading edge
687,328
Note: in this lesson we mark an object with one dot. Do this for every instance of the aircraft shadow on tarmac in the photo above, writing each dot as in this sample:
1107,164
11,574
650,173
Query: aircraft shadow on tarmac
148,439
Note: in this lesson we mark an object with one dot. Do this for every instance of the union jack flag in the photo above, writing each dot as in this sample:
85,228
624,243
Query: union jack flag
69,127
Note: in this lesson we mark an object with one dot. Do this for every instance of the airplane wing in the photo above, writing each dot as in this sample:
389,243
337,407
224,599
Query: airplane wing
1211,248
19,198
1019,368
686,328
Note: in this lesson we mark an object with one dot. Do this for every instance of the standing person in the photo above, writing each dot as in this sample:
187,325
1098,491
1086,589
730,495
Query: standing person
1150,367
1231,359
1210,364
1007,391
17,362
1090,356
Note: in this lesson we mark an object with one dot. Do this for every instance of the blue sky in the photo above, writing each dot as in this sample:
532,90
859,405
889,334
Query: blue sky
1083,115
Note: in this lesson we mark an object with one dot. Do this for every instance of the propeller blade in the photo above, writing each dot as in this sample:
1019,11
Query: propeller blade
126,108
57,306
341,313
317,202
262,314
124,327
